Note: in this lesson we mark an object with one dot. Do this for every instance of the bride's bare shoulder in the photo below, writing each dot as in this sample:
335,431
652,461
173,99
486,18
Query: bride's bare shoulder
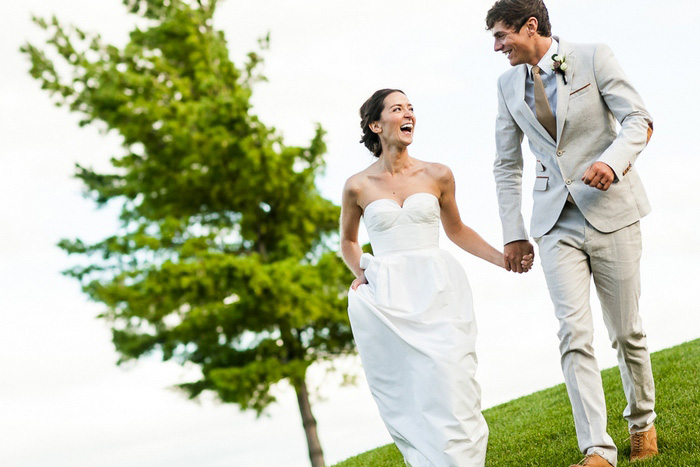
440,172
355,183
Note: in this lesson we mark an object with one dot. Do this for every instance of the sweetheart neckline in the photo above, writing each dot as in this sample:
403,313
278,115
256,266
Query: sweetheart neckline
401,206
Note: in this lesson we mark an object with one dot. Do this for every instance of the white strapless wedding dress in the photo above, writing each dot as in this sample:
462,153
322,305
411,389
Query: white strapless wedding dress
415,331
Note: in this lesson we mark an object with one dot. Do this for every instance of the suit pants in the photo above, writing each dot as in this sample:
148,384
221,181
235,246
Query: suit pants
570,253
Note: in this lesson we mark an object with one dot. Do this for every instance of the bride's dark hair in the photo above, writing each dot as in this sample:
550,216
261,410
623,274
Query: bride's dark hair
370,112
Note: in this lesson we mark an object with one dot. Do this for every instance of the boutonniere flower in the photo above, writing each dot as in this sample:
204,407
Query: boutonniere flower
559,65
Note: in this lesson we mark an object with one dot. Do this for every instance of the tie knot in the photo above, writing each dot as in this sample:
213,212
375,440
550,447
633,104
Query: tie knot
536,70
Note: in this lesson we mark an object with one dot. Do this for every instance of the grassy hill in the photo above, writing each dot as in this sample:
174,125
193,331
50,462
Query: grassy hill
538,430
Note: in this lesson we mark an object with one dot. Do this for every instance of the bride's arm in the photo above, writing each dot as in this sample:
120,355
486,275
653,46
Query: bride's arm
463,236
350,248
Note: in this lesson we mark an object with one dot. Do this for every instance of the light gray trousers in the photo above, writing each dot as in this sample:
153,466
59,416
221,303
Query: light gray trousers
570,253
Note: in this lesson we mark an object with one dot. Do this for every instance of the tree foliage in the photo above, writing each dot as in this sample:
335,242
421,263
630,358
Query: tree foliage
224,254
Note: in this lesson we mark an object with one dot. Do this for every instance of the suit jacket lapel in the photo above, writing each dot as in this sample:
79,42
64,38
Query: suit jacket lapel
564,90
519,95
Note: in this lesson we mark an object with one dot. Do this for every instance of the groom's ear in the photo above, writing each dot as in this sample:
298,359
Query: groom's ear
531,26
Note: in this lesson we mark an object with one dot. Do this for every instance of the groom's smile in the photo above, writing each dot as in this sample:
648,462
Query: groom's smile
517,46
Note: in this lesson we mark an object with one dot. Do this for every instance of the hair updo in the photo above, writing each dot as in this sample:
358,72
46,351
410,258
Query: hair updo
370,112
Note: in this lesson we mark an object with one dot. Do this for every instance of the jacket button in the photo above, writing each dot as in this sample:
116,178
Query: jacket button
568,181
559,153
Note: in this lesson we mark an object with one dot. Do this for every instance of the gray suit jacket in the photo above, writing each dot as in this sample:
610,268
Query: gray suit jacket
597,96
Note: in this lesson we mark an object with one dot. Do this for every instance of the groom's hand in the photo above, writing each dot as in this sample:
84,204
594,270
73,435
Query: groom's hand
599,175
514,252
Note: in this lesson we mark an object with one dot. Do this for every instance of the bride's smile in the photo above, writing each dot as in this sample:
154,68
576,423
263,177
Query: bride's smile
397,121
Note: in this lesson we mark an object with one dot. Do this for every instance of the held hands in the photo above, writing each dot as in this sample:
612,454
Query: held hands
527,262
518,256
599,175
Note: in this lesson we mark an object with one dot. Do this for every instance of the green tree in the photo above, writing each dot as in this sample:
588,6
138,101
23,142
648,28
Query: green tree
224,253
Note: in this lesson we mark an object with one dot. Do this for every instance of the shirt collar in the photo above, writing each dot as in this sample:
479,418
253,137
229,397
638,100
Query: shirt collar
546,61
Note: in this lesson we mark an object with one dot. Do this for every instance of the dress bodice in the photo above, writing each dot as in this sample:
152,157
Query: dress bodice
392,227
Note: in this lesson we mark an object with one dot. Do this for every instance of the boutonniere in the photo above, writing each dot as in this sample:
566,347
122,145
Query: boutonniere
559,65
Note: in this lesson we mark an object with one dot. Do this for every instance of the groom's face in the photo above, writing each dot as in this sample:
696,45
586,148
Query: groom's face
518,46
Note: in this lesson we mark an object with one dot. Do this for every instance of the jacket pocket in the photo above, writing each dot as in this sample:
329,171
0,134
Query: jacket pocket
580,91
541,183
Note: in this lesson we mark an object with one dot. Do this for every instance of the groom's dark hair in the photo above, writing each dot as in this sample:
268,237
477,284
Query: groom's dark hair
515,13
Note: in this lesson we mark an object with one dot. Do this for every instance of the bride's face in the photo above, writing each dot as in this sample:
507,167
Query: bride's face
397,121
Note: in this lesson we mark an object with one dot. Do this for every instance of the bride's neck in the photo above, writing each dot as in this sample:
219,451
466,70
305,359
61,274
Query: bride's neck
394,160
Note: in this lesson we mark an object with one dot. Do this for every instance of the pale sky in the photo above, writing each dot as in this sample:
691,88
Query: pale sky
65,403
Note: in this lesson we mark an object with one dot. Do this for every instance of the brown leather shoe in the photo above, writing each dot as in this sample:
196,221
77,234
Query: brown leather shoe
643,445
593,460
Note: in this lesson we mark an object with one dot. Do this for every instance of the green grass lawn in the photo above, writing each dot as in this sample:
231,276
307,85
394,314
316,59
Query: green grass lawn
538,430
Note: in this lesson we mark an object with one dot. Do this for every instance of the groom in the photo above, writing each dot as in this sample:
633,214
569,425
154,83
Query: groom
588,199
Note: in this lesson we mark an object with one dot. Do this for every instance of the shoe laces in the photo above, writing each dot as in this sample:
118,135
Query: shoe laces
636,442
588,457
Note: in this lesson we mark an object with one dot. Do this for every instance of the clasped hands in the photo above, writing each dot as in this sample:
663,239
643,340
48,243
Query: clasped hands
518,256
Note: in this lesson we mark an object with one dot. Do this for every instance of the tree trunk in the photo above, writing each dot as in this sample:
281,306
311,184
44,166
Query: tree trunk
315,451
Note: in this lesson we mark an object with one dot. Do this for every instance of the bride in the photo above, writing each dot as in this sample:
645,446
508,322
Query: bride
410,305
